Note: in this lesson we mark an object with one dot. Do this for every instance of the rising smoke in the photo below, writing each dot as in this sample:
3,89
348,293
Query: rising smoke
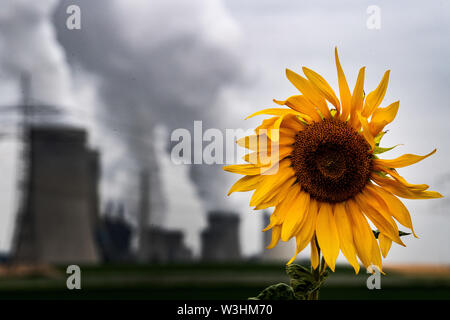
28,44
133,65
156,62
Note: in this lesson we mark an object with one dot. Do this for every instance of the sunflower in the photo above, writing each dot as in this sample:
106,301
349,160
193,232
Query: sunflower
327,183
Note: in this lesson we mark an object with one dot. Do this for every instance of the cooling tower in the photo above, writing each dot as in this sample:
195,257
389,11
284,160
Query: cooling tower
58,217
220,241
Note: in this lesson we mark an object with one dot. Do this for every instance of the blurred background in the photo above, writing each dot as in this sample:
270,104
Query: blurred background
86,116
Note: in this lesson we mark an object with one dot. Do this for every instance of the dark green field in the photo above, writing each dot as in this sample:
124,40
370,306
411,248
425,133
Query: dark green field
209,281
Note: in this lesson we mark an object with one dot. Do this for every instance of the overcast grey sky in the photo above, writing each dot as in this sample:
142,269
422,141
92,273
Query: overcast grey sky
174,62
413,42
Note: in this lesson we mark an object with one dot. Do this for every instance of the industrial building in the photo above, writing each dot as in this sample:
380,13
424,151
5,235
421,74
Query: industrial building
59,213
220,241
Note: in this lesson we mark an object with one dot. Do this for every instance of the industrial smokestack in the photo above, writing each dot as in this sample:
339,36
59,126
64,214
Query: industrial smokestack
144,215
59,218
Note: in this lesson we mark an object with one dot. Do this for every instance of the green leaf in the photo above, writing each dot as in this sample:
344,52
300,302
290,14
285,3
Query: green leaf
376,233
379,150
377,139
303,281
280,291
295,271
301,288
401,233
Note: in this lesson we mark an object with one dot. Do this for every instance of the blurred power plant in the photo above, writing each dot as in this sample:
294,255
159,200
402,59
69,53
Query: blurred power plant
220,241
156,244
114,235
59,221
163,246
58,218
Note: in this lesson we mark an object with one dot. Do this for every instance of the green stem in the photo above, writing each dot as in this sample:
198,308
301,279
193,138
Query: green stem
317,274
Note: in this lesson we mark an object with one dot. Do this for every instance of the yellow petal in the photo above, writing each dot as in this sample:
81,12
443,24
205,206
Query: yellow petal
382,221
273,222
265,125
295,215
302,105
282,208
371,192
400,179
306,230
305,87
292,122
277,195
314,254
344,91
362,233
375,98
376,254
382,117
397,209
366,131
293,258
267,204
272,128
401,191
357,99
273,112
345,232
274,132
266,157
255,142
321,85
262,143
247,169
246,183
385,244
402,161
276,232
271,182
287,131
327,234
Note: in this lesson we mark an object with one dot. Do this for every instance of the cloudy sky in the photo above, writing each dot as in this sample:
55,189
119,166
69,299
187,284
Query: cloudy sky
412,42
135,64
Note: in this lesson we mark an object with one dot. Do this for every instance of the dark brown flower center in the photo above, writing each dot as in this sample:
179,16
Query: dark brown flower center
332,161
